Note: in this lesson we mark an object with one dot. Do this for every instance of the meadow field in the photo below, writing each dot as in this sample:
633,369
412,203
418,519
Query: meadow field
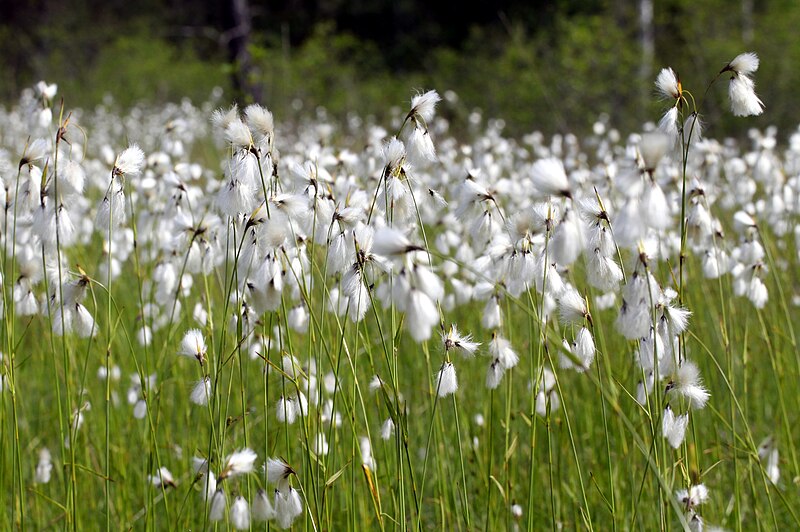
213,319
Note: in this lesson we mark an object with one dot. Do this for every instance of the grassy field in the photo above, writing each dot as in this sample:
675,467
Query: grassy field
425,333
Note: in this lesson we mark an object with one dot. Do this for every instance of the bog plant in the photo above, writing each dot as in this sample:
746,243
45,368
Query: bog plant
341,328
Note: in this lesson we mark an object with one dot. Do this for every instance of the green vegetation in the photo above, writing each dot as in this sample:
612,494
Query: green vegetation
556,67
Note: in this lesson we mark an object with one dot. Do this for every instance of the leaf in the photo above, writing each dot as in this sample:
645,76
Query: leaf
511,449
333,478
499,487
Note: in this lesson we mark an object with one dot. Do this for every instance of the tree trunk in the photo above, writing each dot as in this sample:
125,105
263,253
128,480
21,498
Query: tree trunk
747,22
245,82
647,43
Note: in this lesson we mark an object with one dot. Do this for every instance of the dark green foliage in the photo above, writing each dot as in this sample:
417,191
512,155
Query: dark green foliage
554,66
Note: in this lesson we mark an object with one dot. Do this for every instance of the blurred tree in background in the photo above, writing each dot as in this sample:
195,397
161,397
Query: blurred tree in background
553,66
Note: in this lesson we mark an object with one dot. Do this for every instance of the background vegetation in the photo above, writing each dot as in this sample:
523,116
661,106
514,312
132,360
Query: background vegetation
553,66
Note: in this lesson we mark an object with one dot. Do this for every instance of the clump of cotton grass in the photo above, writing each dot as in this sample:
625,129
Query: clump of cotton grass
421,150
262,509
112,208
250,166
499,238
287,504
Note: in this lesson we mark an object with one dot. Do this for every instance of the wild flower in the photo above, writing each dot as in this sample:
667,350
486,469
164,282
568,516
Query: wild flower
288,506
549,178
668,84
768,453
501,351
262,509
367,459
693,497
572,306
163,477
240,514
741,89
194,345
494,374
216,510
423,107
239,463
201,392
547,398
455,341
446,381
674,427
44,467
686,383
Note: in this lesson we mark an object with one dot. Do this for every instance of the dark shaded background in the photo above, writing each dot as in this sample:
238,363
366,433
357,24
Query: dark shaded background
554,66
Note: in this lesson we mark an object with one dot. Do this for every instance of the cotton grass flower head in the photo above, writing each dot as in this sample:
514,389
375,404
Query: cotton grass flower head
216,510
494,374
547,399
693,497
194,345
162,478
261,122
745,63
387,429
240,514
674,427
572,306
129,162
686,383
653,146
392,243
446,381
423,106
262,509
45,466
367,459
239,463
584,349
420,147
288,506
668,84
768,453
502,352
549,178
741,89
744,101
455,341
201,392
277,470
288,409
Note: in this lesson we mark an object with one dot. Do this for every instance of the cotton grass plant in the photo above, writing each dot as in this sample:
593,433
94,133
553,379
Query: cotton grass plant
332,326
